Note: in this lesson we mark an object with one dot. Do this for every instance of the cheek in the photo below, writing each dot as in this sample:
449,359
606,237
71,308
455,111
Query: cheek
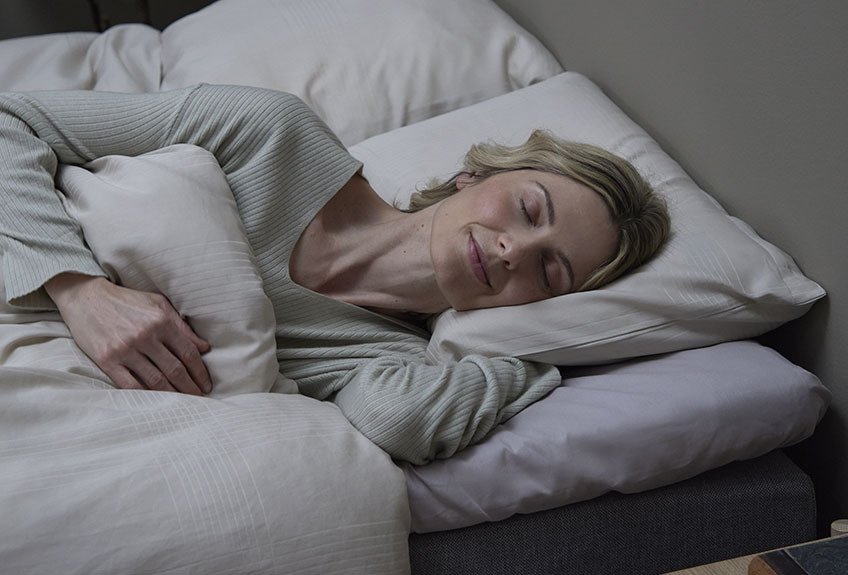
489,209
520,290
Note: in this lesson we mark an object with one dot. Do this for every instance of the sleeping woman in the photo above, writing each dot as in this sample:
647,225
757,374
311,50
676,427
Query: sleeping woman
348,275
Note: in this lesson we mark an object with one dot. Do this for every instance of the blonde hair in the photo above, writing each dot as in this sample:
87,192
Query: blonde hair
639,214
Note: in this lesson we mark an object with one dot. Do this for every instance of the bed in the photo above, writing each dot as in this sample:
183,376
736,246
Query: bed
661,450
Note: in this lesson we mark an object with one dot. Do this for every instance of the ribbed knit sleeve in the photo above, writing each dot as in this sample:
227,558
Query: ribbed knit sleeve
418,412
38,238
247,129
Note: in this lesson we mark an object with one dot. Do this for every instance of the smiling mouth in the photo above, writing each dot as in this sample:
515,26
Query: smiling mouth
478,266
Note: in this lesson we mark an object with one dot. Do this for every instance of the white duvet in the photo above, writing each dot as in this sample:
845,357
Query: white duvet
99,480
102,481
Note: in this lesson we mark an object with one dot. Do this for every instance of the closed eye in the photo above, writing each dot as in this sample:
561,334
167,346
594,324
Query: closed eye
543,271
526,213
545,279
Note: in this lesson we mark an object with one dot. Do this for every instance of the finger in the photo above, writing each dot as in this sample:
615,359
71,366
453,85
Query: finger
174,370
201,344
148,373
122,378
187,351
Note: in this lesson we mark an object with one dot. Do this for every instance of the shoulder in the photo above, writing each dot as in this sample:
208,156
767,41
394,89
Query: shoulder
250,97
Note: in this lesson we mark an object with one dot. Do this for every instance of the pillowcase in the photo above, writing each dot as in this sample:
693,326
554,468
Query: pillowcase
167,222
715,280
627,427
364,66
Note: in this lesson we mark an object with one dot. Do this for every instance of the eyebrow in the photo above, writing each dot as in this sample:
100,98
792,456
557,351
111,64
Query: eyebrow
551,220
548,202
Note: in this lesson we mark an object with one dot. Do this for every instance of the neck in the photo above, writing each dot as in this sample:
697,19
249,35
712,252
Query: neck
371,255
387,267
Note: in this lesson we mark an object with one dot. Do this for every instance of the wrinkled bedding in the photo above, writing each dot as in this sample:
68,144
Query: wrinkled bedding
95,480
99,480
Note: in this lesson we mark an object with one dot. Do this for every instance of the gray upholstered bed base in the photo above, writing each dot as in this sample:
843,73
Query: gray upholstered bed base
742,508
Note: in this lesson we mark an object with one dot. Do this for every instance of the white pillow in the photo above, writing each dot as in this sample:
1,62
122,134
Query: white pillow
167,222
627,427
364,66
46,61
714,281
124,58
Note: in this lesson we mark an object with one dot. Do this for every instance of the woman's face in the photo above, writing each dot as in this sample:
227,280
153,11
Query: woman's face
518,237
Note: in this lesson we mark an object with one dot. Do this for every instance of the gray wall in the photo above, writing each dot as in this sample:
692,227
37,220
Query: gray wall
750,98
27,17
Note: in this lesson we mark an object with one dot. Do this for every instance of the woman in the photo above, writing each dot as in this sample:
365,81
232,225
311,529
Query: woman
523,224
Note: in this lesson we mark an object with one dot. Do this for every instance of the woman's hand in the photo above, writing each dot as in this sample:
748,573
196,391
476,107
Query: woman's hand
137,338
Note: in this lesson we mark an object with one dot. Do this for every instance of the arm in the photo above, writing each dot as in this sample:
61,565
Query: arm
42,245
243,127
123,331
418,412
39,240
131,334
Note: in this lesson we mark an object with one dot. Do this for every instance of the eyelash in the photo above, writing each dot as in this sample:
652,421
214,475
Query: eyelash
526,213
545,278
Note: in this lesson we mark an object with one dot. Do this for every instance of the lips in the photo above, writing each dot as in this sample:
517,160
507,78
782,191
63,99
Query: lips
478,264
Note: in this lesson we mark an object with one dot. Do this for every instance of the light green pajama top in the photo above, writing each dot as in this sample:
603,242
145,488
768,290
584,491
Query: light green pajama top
282,164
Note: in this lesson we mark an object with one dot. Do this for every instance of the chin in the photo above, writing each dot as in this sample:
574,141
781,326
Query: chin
470,306
461,305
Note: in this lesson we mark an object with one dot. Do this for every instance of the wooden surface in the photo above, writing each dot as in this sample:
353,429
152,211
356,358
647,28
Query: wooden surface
736,566
739,565
824,557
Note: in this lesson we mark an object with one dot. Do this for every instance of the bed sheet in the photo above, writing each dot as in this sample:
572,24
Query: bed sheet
626,427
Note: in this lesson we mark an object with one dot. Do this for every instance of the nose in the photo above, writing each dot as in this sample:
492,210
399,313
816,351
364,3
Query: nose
512,249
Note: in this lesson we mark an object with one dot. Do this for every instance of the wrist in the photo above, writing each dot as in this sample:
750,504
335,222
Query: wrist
70,285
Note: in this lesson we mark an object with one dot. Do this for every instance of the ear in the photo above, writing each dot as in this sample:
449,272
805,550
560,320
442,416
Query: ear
465,179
